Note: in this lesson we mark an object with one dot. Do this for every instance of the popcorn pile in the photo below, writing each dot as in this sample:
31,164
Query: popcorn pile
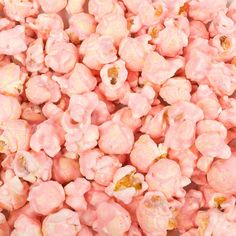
118,118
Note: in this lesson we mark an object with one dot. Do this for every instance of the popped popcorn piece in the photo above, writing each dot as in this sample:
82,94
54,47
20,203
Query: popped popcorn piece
52,6
46,197
65,220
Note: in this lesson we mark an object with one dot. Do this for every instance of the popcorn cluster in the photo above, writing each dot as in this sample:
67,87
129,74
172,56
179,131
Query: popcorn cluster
118,118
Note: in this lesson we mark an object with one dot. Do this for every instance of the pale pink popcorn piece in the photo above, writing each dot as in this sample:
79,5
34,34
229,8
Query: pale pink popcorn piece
98,50
154,214
95,165
65,220
52,6
19,10
157,69
25,224
114,75
133,5
10,108
134,24
61,57
145,152
208,126
13,192
165,176
65,169
219,172
75,194
80,81
198,30
171,46
82,25
32,166
82,138
181,135
35,56
176,89
187,214
138,104
49,137
201,10
75,6
134,51
45,23
100,8
115,138
12,41
82,106
46,197
40,89
12,79
212,145
126,184
156,125
15,136
111,219
4,227
110,22
125,116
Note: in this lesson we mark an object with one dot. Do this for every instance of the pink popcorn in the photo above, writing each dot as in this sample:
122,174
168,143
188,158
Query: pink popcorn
110,22
152,153
40,89
154,214
134,24
35,56
200,10
97,51
82,25
157,69
219,171
139,105
32,166
187,214
171,46
125,116
100,8
48,137
133,5
65,220
75,194
95,165
61,57
115,138
165,176
134,51
151,12
12,79
4,227
126,184
111,219
114,75
176,89
19,10
82,106
65,169
80,81
198,30
12,41
45,23
13,192
53,6
15,136
75,6
10,108
46,197
82,138
25,224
